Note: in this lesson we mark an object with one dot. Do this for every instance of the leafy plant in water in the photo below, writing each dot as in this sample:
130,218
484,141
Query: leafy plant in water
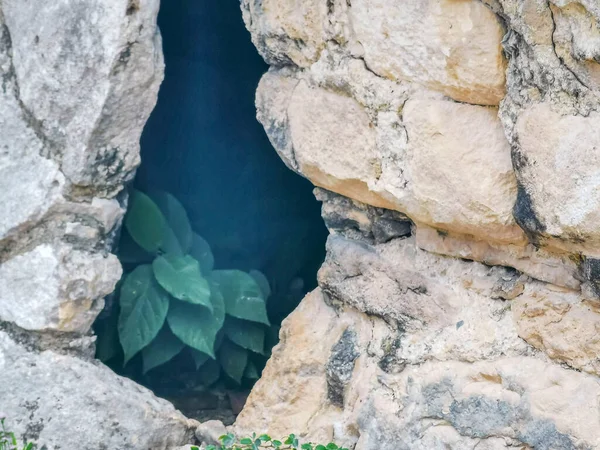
172,298
8,441
229,442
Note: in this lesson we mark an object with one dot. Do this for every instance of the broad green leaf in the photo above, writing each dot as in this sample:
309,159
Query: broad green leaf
209,373
248,335
161,350
181,277
199,357
246,441
251,372
176,217
144,221
170,243
132,253
202,252
233,360
144,305
195,325
227,439
262,282
243,297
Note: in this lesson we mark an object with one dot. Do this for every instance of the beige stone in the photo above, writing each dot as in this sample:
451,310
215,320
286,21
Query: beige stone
518,401
458,170
334,142
56,288
561,324
450,46
449,166
287,31
555,268
298,388
577,38
561,175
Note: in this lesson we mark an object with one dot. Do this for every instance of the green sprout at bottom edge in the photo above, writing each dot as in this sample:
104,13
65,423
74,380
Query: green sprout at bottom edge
229,442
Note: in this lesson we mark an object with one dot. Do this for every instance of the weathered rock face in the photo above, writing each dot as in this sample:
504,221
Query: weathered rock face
61,401
77,83
468,131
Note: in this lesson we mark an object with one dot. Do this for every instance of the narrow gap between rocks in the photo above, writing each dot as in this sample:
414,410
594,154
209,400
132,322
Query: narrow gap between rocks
204,147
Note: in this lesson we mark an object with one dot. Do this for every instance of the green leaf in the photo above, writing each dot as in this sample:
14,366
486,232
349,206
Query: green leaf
233,360
332,446
227,439
170,243
181,277
144,221
251,372
306,447
248,335
209,373
243,297
199,357
320,447
277,444
132,253
246,441
265,438
144,305
202,252
262,282
195,325
176,217
161,350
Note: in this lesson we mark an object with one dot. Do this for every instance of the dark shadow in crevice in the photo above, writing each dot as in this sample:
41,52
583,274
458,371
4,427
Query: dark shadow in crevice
204,145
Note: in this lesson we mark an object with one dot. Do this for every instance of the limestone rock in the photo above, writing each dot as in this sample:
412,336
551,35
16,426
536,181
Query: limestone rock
560,269
562,324
286,31
443,306
56,288
81,85
63,402
323,123
210,431
458,170
561,150
518,401
451,169
450,46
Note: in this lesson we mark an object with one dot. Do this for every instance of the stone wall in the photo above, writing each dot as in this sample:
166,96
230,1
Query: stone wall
455,145
78,81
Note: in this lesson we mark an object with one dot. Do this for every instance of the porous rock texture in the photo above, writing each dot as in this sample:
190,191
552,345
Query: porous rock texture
78,79
455,146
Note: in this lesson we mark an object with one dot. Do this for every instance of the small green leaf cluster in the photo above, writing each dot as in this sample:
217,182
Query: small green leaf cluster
8,441
229,442
171,297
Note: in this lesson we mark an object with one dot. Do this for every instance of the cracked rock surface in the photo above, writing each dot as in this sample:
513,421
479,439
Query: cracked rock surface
77,82
470,130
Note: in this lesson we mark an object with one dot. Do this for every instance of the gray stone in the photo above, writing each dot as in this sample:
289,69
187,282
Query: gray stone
56,288
63,402
209,432
340,366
